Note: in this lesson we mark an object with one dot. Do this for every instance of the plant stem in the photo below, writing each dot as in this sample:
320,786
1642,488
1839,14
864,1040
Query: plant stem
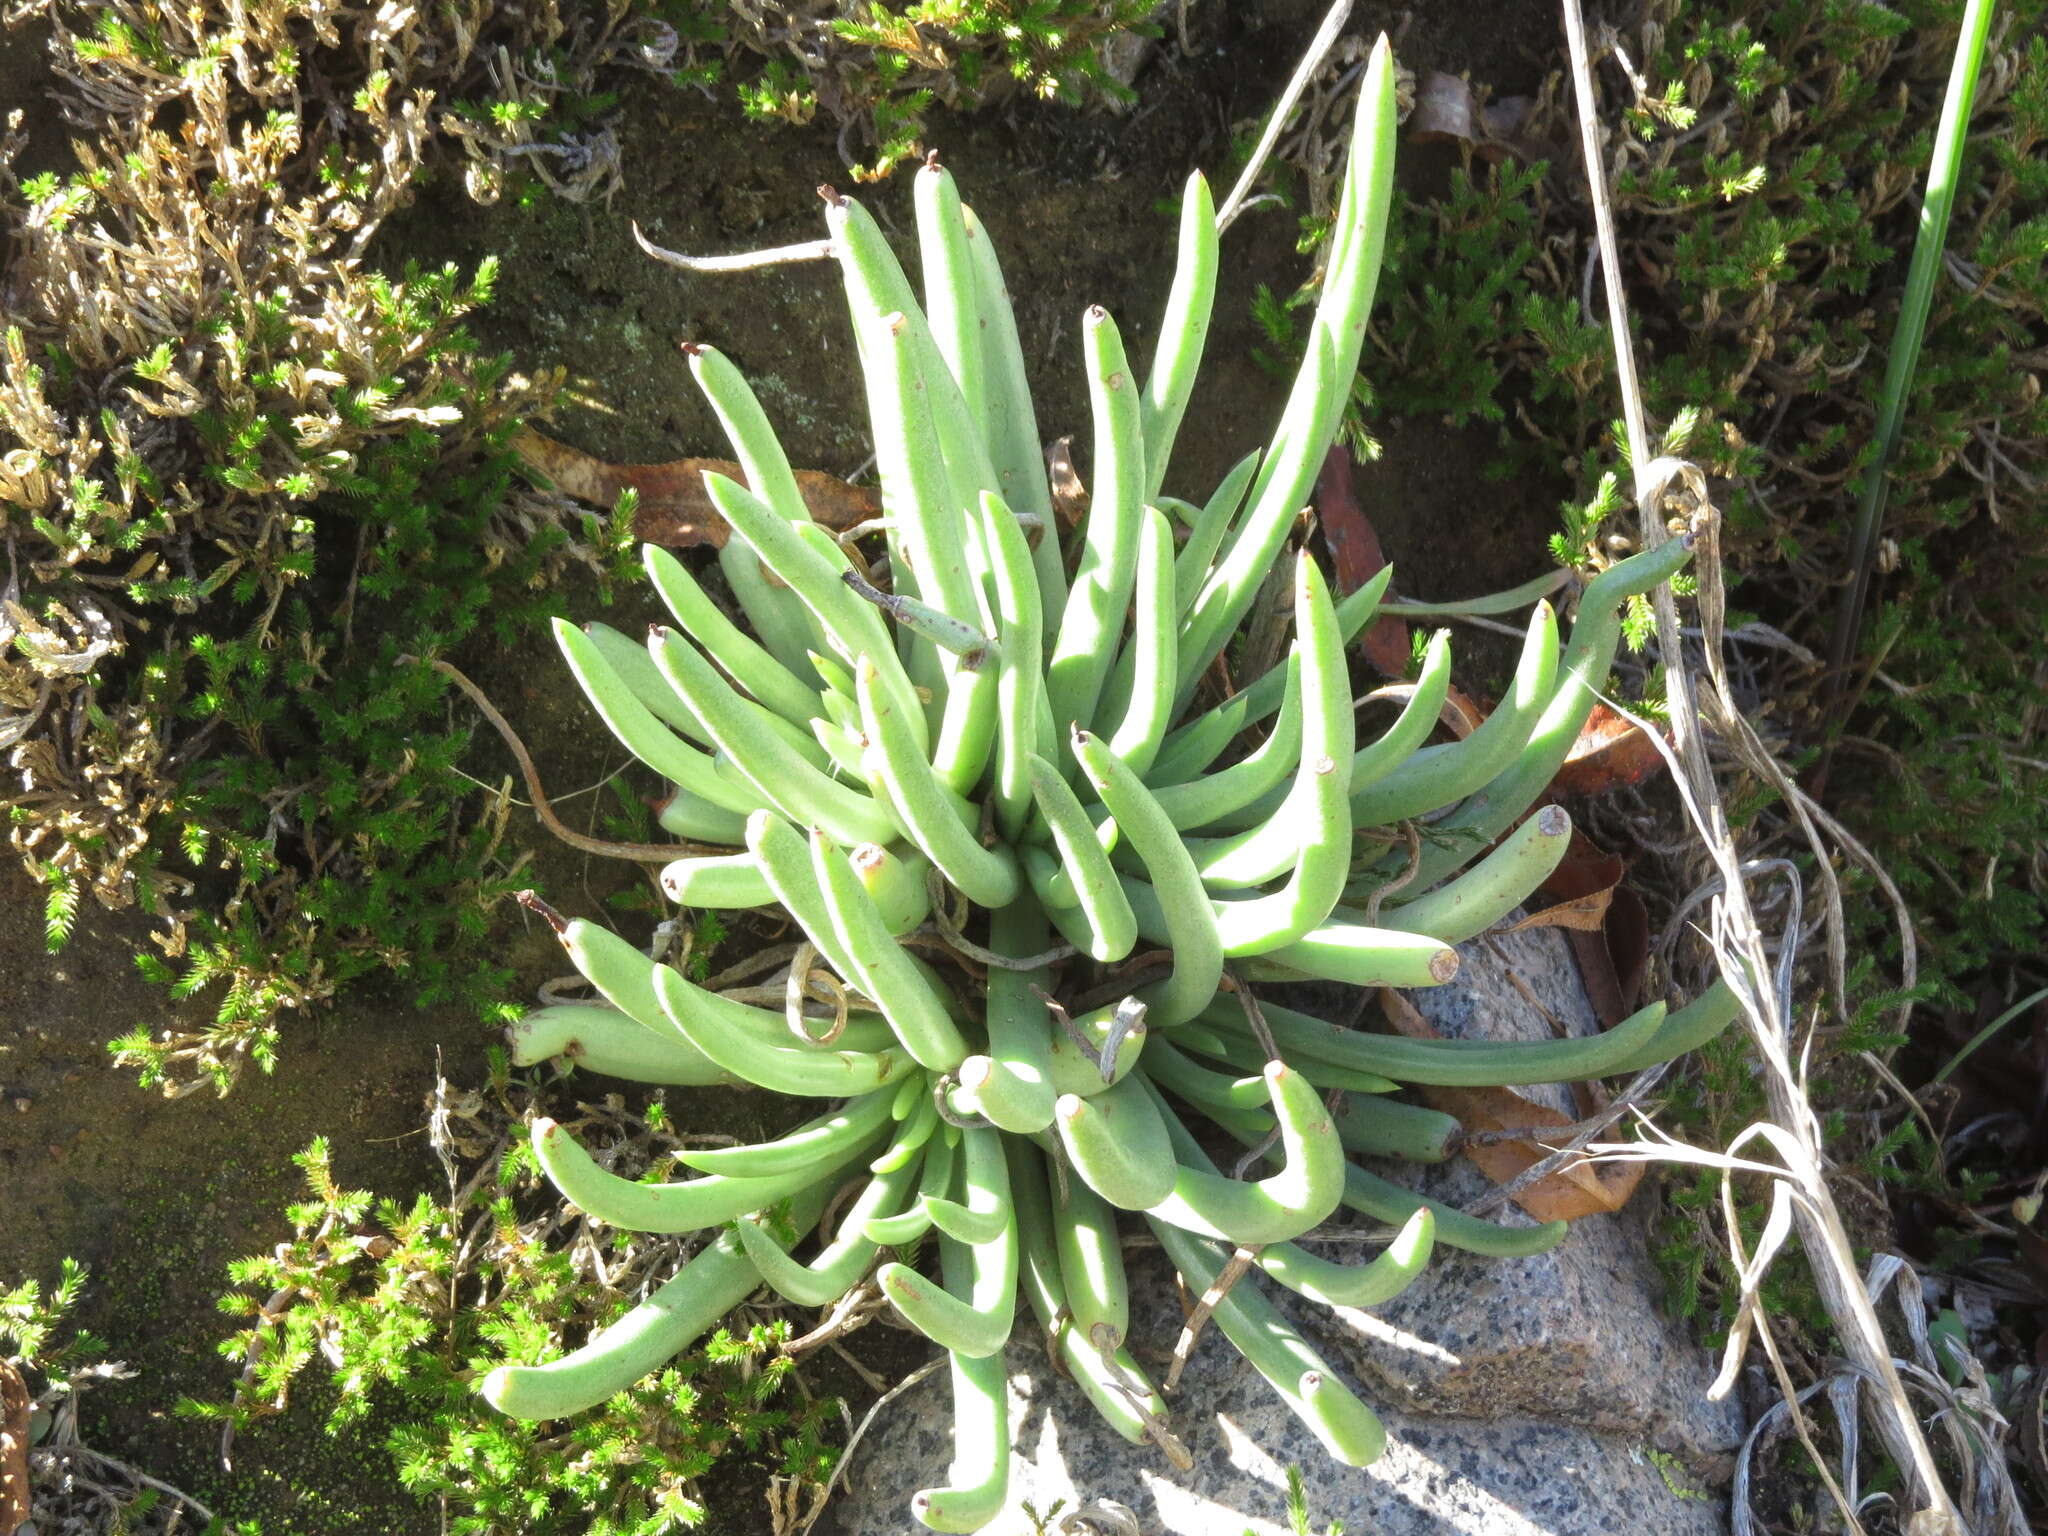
1942,174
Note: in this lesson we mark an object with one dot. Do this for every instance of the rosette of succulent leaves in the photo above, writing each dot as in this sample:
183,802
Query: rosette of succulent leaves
1006,758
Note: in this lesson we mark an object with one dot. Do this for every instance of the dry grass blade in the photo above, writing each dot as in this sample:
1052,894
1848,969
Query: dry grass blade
641,853
744,261
1794,1132
860,1432
1304,72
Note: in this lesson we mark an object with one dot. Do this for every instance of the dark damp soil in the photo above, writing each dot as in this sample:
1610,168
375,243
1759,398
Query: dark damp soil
156,1196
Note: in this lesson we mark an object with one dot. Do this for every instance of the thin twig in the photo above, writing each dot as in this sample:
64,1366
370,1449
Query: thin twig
77,1448
850,1313
1403,879
1576,1138
1255,1016
1134,972
638,853
753,965
853,1440
1256,1153
796,991
1137,1392
942,1092
1311,61
945,926
1198,1317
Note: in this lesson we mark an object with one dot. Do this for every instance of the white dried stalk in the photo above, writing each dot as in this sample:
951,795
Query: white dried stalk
1305,71
1801,1200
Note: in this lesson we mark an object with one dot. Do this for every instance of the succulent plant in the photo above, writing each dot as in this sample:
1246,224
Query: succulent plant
977,783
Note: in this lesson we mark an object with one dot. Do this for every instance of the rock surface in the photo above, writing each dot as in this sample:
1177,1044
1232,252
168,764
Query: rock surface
1574,1335
1521,1396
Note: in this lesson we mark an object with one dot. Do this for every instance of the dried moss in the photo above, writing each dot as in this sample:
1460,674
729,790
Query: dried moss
227,443
202,380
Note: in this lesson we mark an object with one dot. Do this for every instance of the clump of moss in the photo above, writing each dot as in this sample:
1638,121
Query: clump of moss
409,1304
1766,180
872,69
48,1368
1766,160
241,474
876,69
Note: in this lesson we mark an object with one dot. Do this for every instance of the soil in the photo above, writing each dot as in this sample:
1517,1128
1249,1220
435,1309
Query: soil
157,1196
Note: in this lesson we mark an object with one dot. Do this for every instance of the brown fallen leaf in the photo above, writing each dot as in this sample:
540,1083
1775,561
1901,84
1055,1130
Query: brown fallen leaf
1463,713
1069,494
1447,109
15,1509
1580,1188
1613,958
675,510
1355,551
1627,931
1586,867
1582,914
1609,754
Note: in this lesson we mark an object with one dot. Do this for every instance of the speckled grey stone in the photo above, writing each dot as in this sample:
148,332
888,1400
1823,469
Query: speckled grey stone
1532,1396
1438,1477
1575,1334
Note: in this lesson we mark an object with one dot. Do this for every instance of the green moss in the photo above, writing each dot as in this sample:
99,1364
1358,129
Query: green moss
406,1304
1766,215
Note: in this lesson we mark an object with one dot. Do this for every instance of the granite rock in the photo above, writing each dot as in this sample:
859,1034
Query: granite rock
1525,1475
1575,1334
1533,1395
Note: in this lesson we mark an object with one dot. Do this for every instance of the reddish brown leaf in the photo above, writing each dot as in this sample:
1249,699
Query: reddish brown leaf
1609,753
1462,713
1603,982
1578,1189
675,510
1611,959
1628,946
1355,551
1585,868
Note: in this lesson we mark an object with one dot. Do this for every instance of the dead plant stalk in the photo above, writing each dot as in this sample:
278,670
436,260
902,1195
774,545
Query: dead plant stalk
1803,1201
